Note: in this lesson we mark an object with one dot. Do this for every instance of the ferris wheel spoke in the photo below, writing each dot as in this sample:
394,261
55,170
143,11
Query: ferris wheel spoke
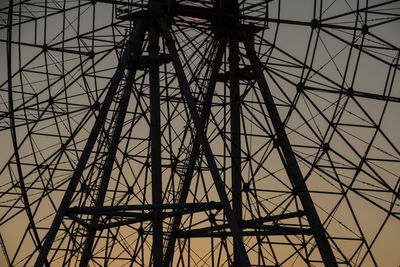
229,195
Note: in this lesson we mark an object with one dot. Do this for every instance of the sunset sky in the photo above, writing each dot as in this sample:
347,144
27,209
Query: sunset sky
332,68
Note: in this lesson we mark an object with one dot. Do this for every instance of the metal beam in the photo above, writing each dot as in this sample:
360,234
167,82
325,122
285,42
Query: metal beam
220,187
35,237
155,137
61,212
129,214
88,210
253,223
288,157
266,231
235,138
139,31
5,254
194,154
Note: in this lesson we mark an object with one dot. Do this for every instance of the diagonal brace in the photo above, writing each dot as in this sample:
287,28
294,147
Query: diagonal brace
288,158
195,152
185,89
65,202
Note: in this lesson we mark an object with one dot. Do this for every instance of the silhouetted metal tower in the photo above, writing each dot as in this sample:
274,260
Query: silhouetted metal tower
188,155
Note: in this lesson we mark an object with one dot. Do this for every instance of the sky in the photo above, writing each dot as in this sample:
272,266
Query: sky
351,100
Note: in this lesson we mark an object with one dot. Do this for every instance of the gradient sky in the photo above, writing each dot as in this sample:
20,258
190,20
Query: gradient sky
288,64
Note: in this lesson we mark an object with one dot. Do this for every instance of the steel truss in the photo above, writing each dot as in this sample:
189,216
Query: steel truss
164,156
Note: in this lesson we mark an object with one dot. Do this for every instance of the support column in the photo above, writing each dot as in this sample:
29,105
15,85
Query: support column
288,158
64,205
220,187
194,154
235,139
108,165
156,186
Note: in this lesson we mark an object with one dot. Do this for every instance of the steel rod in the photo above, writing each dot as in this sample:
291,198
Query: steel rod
195,152
212,205
185,89
235,138
265,231
250,223
155,137
108,166
51,234
289,160
36,238
4,249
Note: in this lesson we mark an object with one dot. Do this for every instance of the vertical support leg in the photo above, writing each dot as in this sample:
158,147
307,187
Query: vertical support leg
220,187
194,154
235,138
156,186
65,202
289,160
108,165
